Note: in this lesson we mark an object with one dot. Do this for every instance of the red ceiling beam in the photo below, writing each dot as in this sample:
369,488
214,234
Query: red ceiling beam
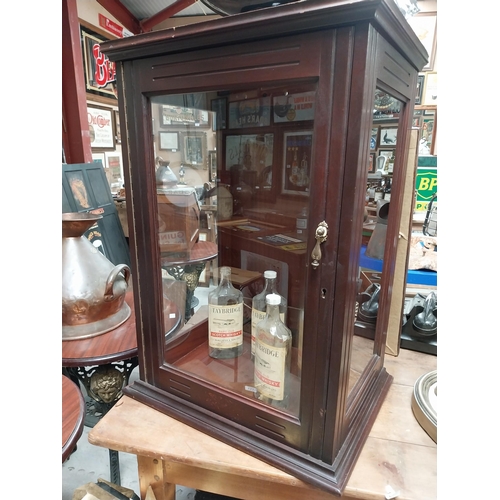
167,13
118,10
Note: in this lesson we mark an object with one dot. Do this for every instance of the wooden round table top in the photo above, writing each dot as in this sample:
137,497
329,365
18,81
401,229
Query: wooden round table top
73,412
115,345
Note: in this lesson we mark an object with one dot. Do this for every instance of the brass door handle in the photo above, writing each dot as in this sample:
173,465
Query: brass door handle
321,236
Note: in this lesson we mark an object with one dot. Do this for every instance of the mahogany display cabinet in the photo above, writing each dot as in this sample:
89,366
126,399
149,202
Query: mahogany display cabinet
283,102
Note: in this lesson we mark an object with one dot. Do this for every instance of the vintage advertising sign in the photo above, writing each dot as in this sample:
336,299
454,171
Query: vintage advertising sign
293,108
101,127
425,186
250,113
99,71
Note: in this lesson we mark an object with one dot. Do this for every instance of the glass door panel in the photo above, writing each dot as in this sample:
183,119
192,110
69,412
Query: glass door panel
380,171
233,171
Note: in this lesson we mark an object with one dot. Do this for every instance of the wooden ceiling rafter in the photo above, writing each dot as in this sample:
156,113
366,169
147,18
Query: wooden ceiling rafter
124,16
167,13
118,10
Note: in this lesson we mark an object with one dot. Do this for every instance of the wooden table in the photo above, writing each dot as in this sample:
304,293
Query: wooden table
398,453
84,360
73,411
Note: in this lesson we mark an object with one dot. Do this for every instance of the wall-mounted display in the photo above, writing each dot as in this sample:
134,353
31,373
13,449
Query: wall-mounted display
294,107
99,71
388,136
101,129
169,141
194,149
297,147
250,113
178,115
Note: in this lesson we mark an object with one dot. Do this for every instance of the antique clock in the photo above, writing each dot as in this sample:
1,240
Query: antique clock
267,117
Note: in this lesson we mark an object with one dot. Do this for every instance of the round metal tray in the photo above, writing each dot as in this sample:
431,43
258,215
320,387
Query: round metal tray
424,403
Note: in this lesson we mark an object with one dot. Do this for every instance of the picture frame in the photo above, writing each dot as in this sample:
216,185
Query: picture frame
101,128
114,171
178,116
388,136
297,148
250,113
385,152
194,149
219,117
371,163
374,139
420,89
253,151
424,24
169,141
99,71
430,91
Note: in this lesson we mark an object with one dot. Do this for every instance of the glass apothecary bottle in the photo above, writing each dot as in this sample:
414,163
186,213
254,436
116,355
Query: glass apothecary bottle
225,319
259,305
273,348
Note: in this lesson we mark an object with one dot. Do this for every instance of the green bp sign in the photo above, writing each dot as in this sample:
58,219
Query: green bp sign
425,187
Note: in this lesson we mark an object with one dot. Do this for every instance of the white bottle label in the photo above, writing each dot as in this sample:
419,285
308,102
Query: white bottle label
269,373
225,326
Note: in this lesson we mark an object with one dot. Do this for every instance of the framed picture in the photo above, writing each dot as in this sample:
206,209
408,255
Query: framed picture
101,129
169,141
114,170
388,136
100,72
178,116
424,25
253,151
219,109
294,107
385,152
430,92
297,147
420,89
371,164
250,113
194,149
374,139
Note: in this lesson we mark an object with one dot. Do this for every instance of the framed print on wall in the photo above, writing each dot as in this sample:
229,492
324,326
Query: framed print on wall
101,129
169,141
420,89
373,139
194,149
297,148
388,136
424,25
178,115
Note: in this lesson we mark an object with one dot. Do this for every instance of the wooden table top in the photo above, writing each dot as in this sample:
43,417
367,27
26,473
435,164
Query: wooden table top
115,345
398,452
73,412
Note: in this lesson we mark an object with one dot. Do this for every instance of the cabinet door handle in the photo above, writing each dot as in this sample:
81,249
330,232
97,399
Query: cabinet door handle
321,236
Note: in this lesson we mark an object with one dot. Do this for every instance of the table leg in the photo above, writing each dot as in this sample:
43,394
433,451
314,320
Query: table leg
151,473
103,385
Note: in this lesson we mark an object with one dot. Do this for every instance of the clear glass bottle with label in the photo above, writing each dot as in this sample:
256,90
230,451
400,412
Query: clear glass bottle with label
225,319
273,355
259,305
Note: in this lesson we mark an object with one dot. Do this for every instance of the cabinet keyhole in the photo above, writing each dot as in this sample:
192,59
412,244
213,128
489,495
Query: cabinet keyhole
323,293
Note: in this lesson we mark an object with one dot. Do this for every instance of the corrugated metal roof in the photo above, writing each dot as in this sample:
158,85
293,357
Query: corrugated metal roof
144,9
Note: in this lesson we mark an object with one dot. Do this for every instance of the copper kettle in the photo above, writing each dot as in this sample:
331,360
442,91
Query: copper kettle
93,289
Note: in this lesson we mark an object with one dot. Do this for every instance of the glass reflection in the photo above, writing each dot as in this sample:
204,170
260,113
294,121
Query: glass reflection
382,156
233,171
